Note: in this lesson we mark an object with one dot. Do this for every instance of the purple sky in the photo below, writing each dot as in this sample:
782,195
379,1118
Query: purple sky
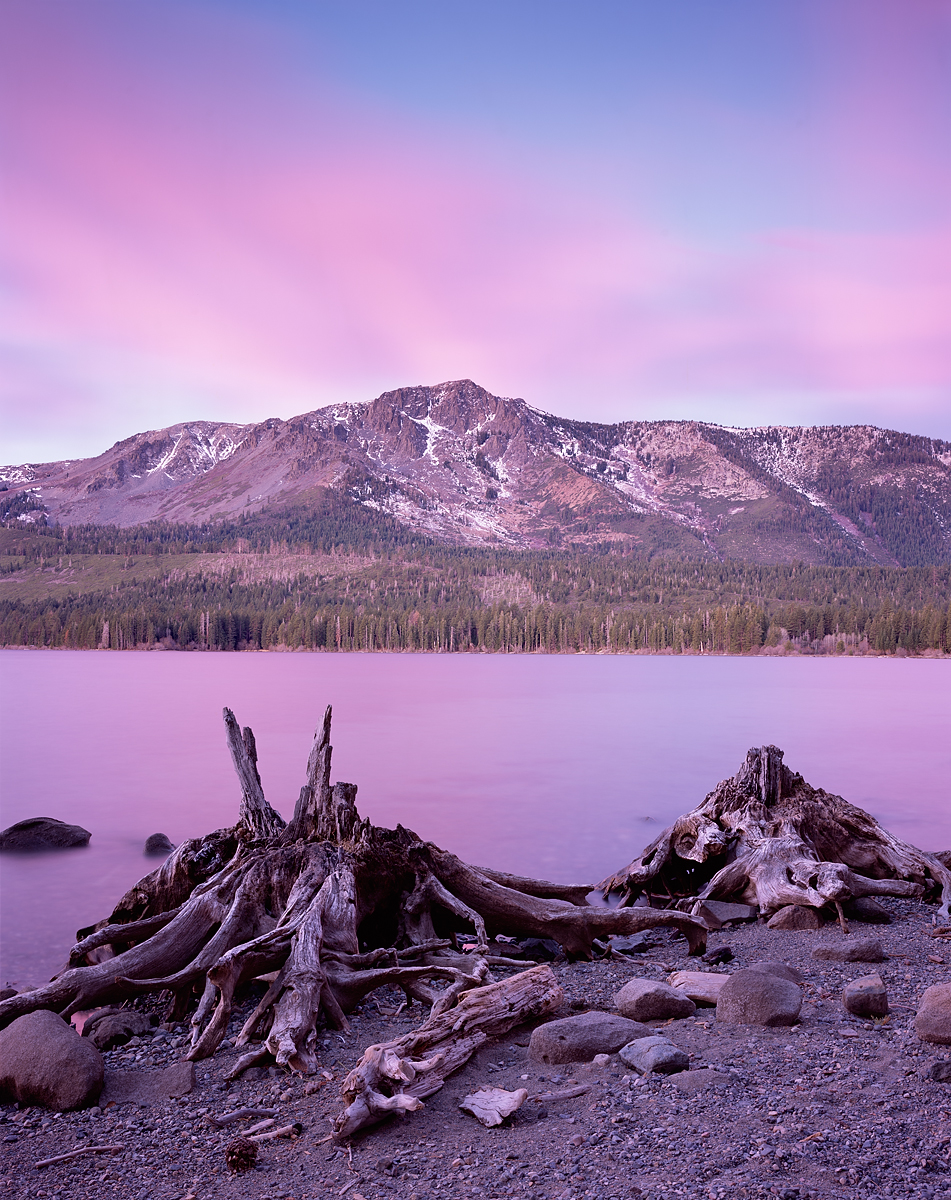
736,211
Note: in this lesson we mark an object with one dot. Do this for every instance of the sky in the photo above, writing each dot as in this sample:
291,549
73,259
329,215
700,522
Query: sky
721,210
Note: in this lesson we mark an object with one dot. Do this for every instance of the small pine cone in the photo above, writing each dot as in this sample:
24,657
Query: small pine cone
241,1154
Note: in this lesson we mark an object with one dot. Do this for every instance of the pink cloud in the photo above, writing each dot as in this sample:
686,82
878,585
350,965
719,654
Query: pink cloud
262,242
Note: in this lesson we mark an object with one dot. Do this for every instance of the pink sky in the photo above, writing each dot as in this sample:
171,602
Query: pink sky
202,224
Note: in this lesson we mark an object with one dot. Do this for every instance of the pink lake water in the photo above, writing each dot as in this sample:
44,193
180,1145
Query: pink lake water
559,767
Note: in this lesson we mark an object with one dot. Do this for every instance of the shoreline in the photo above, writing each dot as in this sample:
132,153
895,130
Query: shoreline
832,1107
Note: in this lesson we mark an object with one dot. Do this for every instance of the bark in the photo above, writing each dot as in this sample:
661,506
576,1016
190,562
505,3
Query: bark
766,837
336,907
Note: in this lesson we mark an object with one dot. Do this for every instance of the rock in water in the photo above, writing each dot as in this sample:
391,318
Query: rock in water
651,1000
654,1054
43,833
866,997
44,1061
933,1022
579,1039
754,998
158,843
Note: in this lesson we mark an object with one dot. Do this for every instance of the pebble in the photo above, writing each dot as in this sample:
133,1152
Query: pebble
833,1107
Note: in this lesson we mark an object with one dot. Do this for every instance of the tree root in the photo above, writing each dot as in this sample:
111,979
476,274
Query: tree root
767,838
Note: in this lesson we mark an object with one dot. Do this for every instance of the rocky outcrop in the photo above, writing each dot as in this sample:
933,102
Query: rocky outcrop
44,1062
427,453
43,833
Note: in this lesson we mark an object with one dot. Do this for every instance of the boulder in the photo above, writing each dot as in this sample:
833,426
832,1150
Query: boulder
864,908
795,916
866,997
780,970
933,1022
158,843
861,950
44,1061
755,998
43,833
940,1072
110,1029
654,1054
702,987
651,1000
580,1038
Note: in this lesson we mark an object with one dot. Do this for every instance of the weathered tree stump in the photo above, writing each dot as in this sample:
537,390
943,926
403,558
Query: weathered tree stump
766,837
337,907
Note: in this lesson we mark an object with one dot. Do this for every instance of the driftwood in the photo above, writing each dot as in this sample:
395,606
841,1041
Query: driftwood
765,837
395,1076
330,908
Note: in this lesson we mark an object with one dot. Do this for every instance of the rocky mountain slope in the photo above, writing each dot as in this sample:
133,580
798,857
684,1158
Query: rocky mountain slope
470,468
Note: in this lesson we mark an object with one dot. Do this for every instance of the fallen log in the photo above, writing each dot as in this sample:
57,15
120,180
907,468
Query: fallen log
330,907
765,837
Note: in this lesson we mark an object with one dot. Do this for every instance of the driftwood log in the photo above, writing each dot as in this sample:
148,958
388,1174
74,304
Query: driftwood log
765,837
336,907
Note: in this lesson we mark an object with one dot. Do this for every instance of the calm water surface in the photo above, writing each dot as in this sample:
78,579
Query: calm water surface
561,767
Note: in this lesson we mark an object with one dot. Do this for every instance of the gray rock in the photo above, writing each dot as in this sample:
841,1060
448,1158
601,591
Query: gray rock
754,998
654,1054
43,833
725,911
633,943
148,1087
717,913
580,1038
866,997
864,908
940,1072
44,1061
158,843
795,916
780,970
702,1080
111,1029
651,1000
861,950
933,1022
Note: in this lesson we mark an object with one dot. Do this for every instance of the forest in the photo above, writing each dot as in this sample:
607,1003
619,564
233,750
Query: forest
351,579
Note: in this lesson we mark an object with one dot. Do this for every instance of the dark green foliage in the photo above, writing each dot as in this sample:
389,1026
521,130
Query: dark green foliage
422,596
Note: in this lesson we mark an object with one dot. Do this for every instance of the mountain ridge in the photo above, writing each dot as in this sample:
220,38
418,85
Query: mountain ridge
465,467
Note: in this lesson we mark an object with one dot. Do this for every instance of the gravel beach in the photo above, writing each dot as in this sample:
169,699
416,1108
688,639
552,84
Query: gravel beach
833,1106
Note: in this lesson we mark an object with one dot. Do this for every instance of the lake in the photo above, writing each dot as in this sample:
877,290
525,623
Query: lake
559,767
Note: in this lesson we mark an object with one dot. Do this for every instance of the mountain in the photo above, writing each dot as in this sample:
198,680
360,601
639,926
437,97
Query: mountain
469,468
